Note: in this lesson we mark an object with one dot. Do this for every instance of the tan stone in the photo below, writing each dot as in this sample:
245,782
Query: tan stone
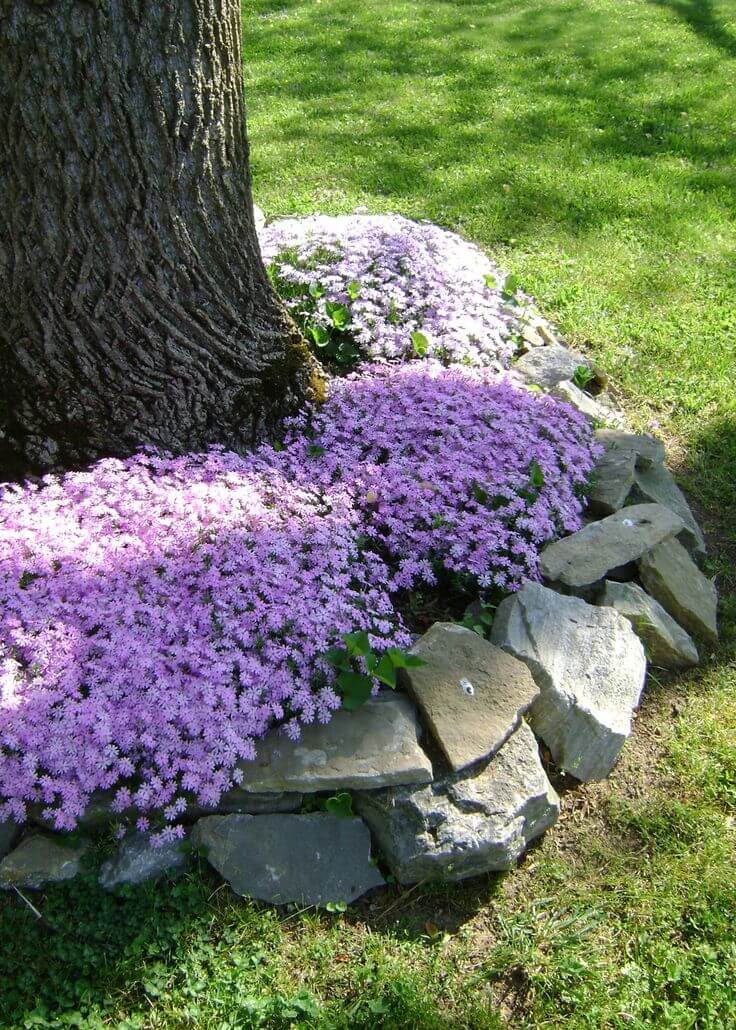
471,693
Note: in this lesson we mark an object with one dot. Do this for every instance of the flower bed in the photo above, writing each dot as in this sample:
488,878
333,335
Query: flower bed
381,286
159,614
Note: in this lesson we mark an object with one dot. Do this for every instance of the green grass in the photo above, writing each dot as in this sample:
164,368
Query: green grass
590,146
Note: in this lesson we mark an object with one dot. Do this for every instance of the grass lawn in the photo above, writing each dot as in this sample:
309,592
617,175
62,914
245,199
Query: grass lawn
590,146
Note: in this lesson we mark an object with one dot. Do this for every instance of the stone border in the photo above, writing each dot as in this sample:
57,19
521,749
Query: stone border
566,665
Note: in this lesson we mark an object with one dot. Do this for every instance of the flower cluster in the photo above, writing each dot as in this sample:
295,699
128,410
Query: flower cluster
396,288
158,614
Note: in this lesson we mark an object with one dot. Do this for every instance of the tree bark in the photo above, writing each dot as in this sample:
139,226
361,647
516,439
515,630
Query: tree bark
134,305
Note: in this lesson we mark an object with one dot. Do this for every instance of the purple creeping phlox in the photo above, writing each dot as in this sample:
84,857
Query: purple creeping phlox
159,614
396,277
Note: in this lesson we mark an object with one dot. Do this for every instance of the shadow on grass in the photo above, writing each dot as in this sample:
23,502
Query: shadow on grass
702,19
96,952
439,102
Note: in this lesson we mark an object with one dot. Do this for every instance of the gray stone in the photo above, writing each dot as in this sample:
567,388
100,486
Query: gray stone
98,814
137,860
613,478
245,802
586,556
38,861
590,668
667,645
547,366
9,834
648,449
374,746
672,578
309,859
597,409
657,484
471,693
470,823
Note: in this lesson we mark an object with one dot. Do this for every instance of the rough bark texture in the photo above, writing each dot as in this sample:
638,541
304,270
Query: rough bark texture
134,307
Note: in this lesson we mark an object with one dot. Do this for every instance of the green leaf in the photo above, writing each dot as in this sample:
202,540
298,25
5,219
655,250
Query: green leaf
355,689
319,334
479,493
340,804
403,660
347,353
386,672
510,286
315,451
338,657
316,291
420,344
353,289
491,281
583,376
536,476
339,314
357,643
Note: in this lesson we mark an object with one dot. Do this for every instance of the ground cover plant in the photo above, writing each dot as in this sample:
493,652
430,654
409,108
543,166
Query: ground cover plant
588,146
161,614
381,286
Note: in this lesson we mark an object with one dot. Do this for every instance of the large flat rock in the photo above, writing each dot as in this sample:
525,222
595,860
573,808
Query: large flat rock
137,859
375,746
587,556
308,859
471,693
672,578
547,366
39,861
648,449
590,668
666,644
657,484
470,823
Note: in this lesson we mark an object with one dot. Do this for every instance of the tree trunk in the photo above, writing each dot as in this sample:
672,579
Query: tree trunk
134,306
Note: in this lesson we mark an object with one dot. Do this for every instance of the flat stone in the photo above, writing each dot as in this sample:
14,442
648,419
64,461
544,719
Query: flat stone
586,556
9,834
613,478
590,668
375,746
666,644
245,802
547,366
595,409
38,861
657,484
469,823
471,693
648,449
137,860
308,859
671,576
99,814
